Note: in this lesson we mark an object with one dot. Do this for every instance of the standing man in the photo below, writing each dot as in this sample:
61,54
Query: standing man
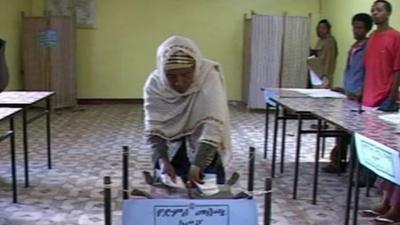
382,61
353,83
382,64
323,64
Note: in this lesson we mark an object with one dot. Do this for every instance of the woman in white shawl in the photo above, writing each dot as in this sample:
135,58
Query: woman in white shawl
186,113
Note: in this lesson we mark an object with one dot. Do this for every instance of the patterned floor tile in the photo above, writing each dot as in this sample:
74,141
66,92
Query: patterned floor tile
87,142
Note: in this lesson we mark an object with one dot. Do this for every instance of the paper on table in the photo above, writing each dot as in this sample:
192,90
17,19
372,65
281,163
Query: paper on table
391,118
320,93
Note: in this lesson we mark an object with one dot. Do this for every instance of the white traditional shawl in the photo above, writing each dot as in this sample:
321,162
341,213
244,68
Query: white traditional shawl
200,114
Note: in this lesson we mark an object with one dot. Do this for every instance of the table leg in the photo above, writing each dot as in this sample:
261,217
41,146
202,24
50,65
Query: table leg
297,156
349,187
316,165
283,144
48,133
13,167
25,143
266,131
357,193
275,140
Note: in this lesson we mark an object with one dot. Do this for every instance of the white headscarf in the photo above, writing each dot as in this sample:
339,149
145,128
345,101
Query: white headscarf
200,114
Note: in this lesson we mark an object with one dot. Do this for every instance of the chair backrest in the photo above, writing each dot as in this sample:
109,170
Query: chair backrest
189,212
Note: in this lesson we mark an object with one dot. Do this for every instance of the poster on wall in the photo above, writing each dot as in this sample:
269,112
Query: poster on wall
47,38
83,10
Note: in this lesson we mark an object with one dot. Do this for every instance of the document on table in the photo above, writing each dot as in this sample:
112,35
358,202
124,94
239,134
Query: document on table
391,118
320,93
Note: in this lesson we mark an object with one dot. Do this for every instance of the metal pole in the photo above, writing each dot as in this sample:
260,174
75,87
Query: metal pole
283,143
297,157
25,143
357,193
316,166
250,181
107,201
13,168
125,172
48,130
266,131
267,201
350,188
274,143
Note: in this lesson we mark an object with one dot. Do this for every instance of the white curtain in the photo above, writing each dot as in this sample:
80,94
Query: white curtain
295,52
265,59
278,52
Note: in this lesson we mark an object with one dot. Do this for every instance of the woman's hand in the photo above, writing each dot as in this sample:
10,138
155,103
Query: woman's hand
167,168
194,176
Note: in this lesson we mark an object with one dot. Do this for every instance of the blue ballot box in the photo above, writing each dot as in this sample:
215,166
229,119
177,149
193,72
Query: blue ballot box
189,212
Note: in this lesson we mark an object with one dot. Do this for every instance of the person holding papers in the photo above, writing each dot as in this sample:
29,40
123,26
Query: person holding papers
186,114
322,65
382,63
353,84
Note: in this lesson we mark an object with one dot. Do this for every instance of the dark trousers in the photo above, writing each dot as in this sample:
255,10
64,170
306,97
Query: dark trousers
181,164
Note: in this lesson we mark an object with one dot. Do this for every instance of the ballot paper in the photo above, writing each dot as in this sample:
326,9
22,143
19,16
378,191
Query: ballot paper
167,180
209,186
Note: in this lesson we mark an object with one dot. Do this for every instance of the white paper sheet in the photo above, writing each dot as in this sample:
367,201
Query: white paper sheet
209,187
391,118
320,93
315,80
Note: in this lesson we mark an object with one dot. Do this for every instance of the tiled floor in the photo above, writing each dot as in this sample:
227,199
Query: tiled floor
87,146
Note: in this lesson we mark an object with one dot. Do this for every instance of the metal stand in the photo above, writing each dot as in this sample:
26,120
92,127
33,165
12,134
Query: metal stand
125,172
107,201
267,201
250,181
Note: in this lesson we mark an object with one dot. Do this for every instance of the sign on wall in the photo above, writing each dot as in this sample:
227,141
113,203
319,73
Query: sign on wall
48,38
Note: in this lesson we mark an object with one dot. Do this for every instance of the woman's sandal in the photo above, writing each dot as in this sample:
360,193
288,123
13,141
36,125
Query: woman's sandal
370,213
384,220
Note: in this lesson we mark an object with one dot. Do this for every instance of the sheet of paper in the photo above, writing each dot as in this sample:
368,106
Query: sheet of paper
391,118
315,80
167,180
209,187
320,93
